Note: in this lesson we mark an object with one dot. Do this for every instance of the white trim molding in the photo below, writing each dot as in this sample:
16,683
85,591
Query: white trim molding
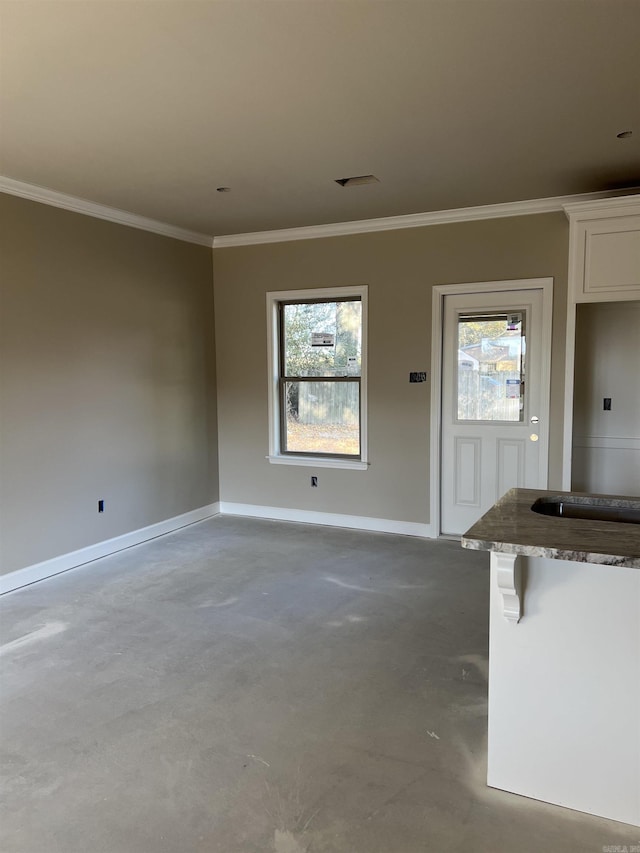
508,582
579,213
412,220
74,559
274,298
607,442
319,462
601,208
100,211
439,292
44,195
328,519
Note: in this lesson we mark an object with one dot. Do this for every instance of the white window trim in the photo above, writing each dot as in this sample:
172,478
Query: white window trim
275,456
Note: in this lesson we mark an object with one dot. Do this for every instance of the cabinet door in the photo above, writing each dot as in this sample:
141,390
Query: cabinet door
611,259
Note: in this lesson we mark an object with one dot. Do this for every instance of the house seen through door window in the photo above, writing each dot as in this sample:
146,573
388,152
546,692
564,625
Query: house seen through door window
491,367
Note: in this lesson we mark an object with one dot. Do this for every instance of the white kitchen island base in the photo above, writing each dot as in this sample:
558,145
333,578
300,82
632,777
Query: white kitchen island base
564,684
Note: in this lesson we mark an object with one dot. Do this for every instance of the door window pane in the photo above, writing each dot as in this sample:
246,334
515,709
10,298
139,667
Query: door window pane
491,362
323,417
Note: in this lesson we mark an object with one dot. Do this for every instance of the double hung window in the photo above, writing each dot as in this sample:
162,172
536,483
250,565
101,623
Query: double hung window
317,363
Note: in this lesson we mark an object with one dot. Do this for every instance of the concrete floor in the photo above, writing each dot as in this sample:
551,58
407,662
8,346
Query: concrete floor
245,686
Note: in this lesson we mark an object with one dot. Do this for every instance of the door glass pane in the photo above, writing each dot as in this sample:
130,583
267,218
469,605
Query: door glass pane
491,360
323,417
322,338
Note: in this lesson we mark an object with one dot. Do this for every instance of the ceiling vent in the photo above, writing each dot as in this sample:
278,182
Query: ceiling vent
357,181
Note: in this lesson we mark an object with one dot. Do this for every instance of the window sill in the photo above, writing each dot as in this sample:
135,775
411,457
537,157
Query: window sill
319,462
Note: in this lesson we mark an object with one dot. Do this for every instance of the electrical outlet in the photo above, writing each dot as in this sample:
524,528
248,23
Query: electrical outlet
100,506
607,404
314,482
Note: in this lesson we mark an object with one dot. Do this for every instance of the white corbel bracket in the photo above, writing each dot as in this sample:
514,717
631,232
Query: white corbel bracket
507,576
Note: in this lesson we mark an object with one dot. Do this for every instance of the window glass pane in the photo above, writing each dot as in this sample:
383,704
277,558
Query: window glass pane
323,417
490,372
322,338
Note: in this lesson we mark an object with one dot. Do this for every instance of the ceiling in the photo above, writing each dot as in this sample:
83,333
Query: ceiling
150,106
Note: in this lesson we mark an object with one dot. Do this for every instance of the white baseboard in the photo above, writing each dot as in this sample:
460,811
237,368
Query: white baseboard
48,568
330,519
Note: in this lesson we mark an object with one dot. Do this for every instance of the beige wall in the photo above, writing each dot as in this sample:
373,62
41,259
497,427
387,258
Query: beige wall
606,444
108,374
400,268
107,380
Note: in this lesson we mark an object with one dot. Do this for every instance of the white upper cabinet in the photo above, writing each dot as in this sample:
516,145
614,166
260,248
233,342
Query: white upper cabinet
604,250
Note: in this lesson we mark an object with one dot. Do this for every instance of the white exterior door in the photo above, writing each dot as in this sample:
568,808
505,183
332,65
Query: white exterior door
494,430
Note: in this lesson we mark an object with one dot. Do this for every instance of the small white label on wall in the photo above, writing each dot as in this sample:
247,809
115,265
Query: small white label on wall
321,339
513,388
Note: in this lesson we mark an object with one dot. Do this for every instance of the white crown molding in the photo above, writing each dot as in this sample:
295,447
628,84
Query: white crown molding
412,220
610,206
583,203
74,559
100,211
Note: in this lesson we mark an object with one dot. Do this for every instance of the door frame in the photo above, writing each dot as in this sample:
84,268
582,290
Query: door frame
437,340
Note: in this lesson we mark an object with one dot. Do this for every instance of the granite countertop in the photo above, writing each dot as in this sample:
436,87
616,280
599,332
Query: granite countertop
512,527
